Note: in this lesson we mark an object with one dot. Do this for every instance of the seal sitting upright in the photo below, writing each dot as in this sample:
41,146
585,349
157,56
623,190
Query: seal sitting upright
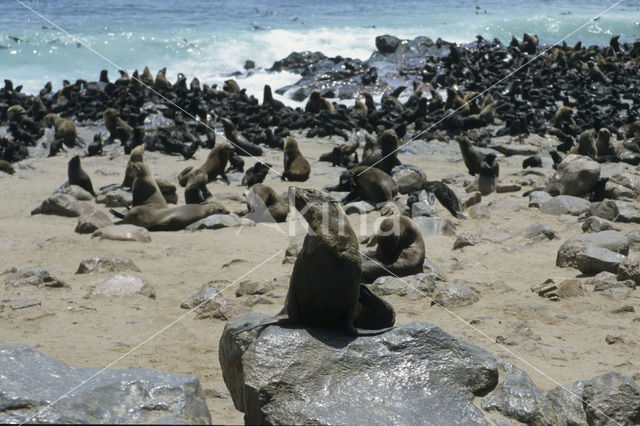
325,283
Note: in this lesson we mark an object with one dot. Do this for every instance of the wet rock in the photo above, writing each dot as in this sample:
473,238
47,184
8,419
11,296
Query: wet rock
435,376
596,224
92,222
297,61
387,43
454,295
358,207
594,260
555,290
610,397
565,204
32,380
434,226
218,221
101,265
465,240
540,231
414,287
123,233
629,269
122,285
611,240
33,276
248,288
576,175
62,205
537,198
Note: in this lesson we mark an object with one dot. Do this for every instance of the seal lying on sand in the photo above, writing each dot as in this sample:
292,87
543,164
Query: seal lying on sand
325,283
446,196
169,219
400,250
369,184
265,205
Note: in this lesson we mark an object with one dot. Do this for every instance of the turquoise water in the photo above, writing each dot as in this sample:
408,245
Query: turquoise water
211,39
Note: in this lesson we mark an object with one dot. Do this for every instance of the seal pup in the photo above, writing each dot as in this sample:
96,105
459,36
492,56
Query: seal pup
95,147
145,189
196,191
400,250
265,205
586,144
369,184
387,158
217,160
77,176
136,156
324,289
603,143
489,166
64,129
117,127
446,196
533,161
255,174
6,167
296,167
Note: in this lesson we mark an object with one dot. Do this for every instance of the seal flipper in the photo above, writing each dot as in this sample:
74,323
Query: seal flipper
277,320
371,315
117,213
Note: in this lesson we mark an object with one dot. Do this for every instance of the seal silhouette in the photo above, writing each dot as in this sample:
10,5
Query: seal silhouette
79,177
330,247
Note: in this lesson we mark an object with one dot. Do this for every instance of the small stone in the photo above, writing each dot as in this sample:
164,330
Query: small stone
205,294
594,260
422,208
540,231
464,240
454,295
479,211
597,224
537,198
21,303
472,199
621,309
629,269
62,205
248,288
100,265
565,204
34,276
92,222
257,299
559,290
502,188
613,339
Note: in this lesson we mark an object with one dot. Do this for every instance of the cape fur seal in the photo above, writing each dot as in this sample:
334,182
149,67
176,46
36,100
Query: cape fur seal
136,156
400,250
384,153
196,191
79,177
217,160
255,174
169,219
446,196
296,167
117,127
324,288
265,205
65,129
6,167
145,189
369,184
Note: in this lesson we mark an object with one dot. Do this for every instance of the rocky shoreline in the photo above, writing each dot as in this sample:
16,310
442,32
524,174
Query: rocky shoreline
546,261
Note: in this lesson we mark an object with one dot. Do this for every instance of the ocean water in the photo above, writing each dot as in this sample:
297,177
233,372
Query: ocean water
212,39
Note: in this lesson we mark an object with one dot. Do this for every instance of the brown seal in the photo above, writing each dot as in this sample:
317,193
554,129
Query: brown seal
586,144
168,190
6,167
446,196
369,184
79,177
169,219
16,113
65,129
145,189
265,205
400,250
386,158
603,143
136,156
473,158
324,288
317,103
117,127
296,167
196,191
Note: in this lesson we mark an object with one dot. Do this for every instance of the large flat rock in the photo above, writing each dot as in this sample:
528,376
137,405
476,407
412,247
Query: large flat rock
567,256
413,374
31,381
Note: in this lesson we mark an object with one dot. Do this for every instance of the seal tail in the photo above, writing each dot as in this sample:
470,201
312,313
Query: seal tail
277,320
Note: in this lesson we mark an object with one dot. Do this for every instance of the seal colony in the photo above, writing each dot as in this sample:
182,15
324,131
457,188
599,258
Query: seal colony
574,104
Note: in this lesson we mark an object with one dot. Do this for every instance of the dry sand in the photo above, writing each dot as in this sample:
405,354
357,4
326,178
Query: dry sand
567,341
